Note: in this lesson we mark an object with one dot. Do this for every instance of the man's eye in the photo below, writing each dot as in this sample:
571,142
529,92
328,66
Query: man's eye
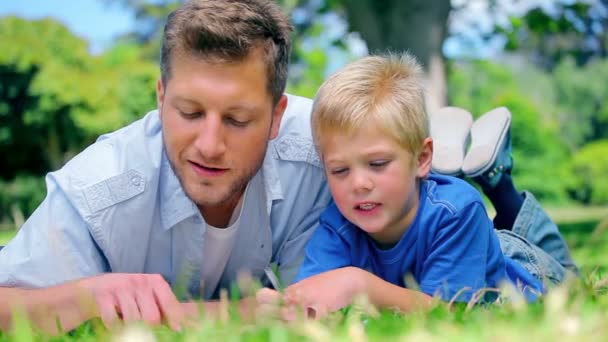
236,122
190,115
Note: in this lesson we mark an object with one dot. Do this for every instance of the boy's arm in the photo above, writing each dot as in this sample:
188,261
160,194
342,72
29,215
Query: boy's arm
385,295
462,255
333,290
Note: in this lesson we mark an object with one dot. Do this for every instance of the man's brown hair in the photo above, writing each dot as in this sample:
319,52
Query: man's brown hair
226,31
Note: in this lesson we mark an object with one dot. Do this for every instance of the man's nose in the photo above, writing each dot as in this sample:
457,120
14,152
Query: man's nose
211,138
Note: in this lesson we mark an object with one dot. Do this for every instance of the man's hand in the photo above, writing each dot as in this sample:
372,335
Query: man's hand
134,297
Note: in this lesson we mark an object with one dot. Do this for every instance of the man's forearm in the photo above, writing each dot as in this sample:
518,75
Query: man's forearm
54,309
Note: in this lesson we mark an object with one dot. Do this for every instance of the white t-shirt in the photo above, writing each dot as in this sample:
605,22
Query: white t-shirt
218,246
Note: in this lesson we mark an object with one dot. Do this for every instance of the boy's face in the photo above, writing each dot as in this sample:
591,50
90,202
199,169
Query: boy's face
373,180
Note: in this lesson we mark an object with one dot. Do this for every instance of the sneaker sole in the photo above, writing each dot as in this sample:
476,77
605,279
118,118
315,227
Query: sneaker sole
488,134
450,128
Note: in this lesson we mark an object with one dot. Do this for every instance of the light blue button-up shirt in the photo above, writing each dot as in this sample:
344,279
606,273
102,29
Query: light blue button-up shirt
119,207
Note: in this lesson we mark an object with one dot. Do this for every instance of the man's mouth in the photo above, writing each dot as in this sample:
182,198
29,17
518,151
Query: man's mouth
207,170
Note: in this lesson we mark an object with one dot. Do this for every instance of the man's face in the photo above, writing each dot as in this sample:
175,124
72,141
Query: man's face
217,119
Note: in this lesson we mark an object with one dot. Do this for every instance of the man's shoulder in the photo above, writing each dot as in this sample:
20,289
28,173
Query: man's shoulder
118,166
450,194
294,142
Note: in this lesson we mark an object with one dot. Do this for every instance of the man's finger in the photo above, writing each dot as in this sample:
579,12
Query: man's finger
148,307
170,308
128,306
106,305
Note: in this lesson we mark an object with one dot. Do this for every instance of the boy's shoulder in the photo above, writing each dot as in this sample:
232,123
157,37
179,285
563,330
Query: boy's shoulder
448,193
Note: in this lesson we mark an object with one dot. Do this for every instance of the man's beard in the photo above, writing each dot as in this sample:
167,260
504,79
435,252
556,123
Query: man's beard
236,187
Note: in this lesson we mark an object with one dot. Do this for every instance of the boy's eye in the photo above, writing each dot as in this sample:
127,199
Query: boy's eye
338,171
377,164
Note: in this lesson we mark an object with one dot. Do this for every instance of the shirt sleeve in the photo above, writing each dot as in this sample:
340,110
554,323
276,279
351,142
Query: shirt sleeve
456,265
293,252
53,246
326,250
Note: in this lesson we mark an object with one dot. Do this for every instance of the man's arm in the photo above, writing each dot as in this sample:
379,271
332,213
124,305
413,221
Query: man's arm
130,297
45,308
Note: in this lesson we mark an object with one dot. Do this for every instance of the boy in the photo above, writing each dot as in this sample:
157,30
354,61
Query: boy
390,217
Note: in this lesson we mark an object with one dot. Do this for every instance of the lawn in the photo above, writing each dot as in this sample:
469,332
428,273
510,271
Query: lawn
574,312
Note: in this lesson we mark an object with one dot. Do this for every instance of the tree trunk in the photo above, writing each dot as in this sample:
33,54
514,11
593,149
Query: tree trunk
417,26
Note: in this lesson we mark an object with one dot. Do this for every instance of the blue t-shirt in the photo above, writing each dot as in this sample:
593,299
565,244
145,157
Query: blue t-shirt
451,245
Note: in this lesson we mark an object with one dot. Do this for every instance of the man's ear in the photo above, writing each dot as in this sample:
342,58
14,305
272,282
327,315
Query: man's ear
160,94
425,158
277,115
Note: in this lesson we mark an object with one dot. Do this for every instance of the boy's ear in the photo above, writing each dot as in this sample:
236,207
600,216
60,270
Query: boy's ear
425,158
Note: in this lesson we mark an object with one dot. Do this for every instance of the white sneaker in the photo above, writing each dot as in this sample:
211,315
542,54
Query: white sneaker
490,152
450,132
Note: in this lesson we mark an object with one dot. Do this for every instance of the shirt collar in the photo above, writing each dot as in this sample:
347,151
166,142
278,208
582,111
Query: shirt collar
176,206
272,181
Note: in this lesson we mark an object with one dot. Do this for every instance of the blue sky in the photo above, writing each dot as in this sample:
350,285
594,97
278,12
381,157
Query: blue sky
90,19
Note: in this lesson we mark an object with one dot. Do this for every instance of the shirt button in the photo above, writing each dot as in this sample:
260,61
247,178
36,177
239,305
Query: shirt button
136,181
284,147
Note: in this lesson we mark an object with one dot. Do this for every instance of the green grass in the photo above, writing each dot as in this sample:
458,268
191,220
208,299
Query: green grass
573,312
6,236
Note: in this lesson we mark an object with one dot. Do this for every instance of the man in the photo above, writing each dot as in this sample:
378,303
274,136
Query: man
194,193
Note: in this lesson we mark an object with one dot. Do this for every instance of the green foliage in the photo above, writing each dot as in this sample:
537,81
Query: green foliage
56,98
24,193
308,76
590,169
581,97
538,151
565,29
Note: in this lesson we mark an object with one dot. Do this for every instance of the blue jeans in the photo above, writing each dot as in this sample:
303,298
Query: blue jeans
536,243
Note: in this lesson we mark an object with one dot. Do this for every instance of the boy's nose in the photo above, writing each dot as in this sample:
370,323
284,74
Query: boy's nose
362,182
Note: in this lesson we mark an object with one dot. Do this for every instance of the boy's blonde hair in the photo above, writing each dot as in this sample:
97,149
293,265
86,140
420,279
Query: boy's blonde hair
383,90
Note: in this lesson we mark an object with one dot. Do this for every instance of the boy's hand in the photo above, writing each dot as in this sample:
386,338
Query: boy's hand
270,304
327,292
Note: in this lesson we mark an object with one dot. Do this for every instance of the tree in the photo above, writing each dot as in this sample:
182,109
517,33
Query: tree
56,98
418,26
422,26
569,29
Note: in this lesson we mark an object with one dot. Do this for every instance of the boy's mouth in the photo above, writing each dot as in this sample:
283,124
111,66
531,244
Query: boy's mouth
366,206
